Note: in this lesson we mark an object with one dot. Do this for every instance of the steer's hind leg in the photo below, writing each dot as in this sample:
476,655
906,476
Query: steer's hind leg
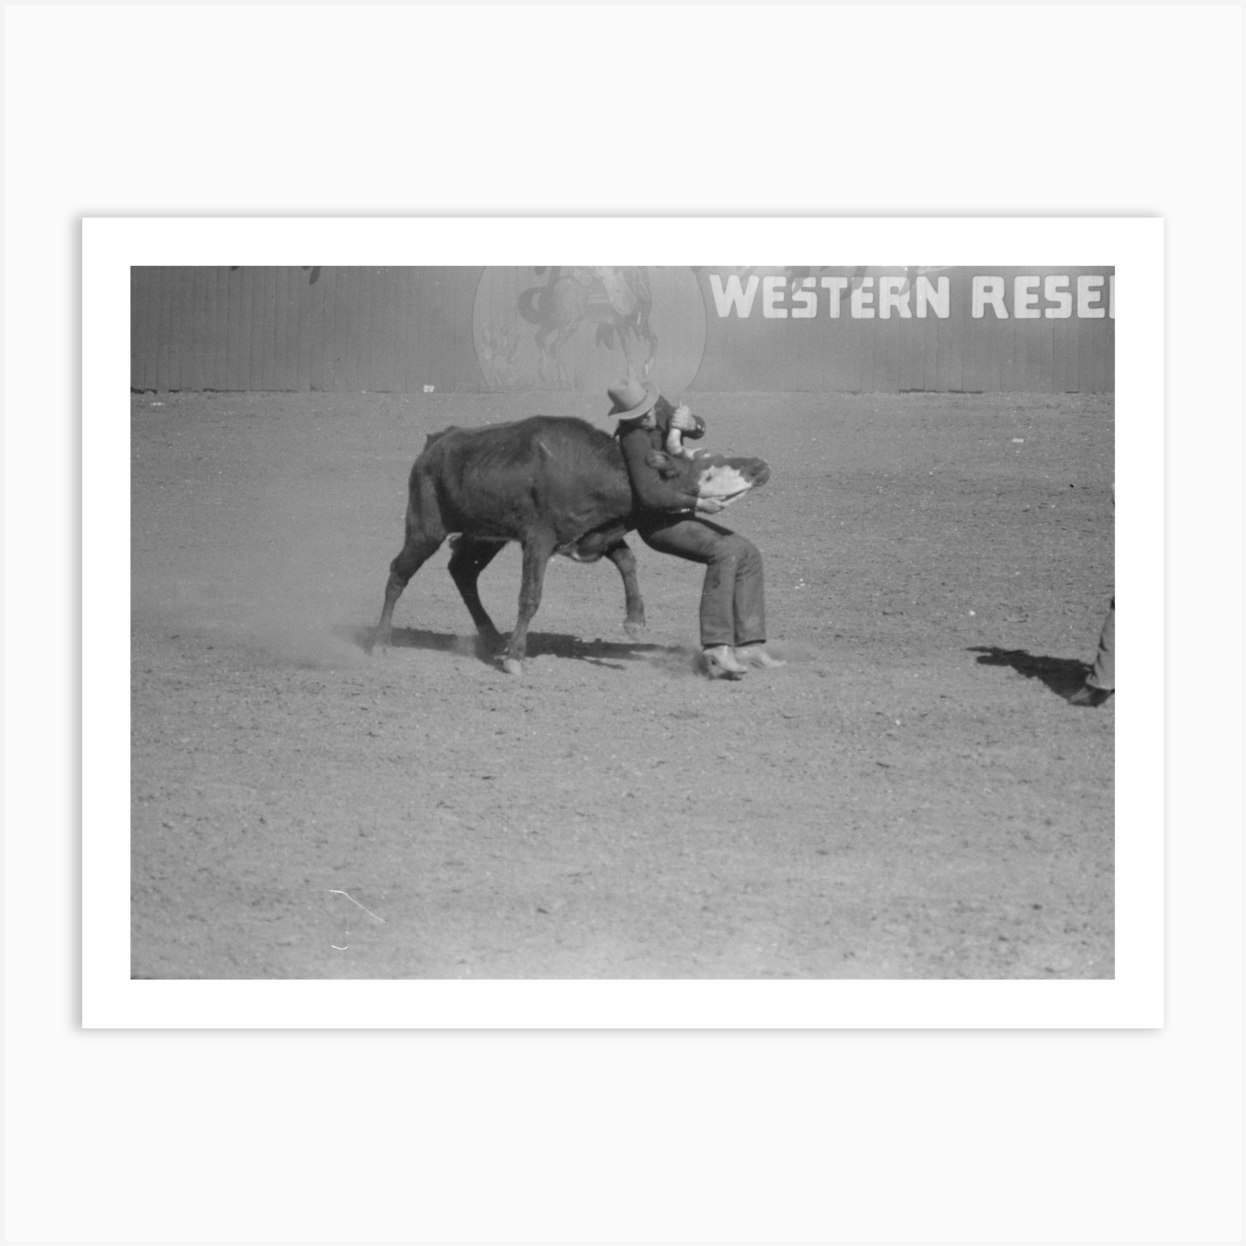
634,620
538,548
414,554
469,558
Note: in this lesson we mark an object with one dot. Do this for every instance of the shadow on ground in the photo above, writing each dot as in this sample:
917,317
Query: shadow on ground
540,644
1063,676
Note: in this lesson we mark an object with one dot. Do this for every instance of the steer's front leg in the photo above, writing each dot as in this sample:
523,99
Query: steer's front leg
634,618
538,548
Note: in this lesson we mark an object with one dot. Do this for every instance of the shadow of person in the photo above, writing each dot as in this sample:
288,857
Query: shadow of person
1063,676
540,644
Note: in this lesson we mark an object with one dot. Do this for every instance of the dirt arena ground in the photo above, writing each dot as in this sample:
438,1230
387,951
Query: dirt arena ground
910,797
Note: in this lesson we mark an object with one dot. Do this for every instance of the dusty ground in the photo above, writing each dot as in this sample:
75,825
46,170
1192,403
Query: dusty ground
909,798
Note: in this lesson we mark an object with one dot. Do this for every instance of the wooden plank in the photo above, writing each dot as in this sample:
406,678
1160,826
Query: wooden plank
401,323
212,325
871,353
315,328
238,345
390,360
461,285
344,330
380,348
204,285
975,334
172,327
266,280
856,346
287,329
266,301
890,332
426,356
271,280
192,334
168,327
410,330
255,329
334,281
952,332
1085,351
1104,330
318,361
881,336
406,329
160,330
1086,340
370,338
241,312
282,329
1029,365
1089,337
1064,335
142,333
1009,365
943,330
910,339
191,331
254,304
400,303
365,320
299,304
374,344
1046,336
930,352
357,326
1107,378
223,292
856,339
989,339
1098,340
439,348
913,342
288,320
197,330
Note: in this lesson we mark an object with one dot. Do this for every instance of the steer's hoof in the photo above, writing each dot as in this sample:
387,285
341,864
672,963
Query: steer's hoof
512,666
636,630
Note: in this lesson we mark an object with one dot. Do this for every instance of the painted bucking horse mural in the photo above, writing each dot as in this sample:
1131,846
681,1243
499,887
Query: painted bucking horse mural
616,300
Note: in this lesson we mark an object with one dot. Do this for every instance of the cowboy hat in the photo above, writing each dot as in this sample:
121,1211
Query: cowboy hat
631,398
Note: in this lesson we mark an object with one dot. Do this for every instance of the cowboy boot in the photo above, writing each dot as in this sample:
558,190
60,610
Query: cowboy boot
719,662
756,655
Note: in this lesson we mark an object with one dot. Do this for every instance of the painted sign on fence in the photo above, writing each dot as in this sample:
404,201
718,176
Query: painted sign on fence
580,328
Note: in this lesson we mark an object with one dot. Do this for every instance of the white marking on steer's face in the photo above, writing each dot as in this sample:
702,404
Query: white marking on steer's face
723,483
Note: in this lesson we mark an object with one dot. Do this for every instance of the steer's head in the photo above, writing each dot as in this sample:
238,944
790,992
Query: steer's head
725,479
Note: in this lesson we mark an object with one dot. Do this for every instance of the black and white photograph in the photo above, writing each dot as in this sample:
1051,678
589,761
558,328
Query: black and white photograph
561,566
738,623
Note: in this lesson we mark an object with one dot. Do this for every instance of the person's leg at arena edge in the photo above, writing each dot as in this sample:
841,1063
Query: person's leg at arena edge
1100,684
1103,673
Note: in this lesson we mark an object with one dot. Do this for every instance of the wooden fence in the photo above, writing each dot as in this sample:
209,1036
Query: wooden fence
487,329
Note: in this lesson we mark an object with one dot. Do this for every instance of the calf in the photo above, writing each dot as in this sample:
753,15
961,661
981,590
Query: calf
557,486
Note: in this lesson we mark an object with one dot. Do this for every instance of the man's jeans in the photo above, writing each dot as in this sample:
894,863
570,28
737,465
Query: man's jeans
733,598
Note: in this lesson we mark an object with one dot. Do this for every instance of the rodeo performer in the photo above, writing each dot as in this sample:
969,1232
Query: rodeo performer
671,519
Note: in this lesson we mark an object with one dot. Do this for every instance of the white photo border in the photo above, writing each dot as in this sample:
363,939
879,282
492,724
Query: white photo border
111,999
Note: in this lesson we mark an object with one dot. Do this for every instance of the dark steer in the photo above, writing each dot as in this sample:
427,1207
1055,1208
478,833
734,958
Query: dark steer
557,486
